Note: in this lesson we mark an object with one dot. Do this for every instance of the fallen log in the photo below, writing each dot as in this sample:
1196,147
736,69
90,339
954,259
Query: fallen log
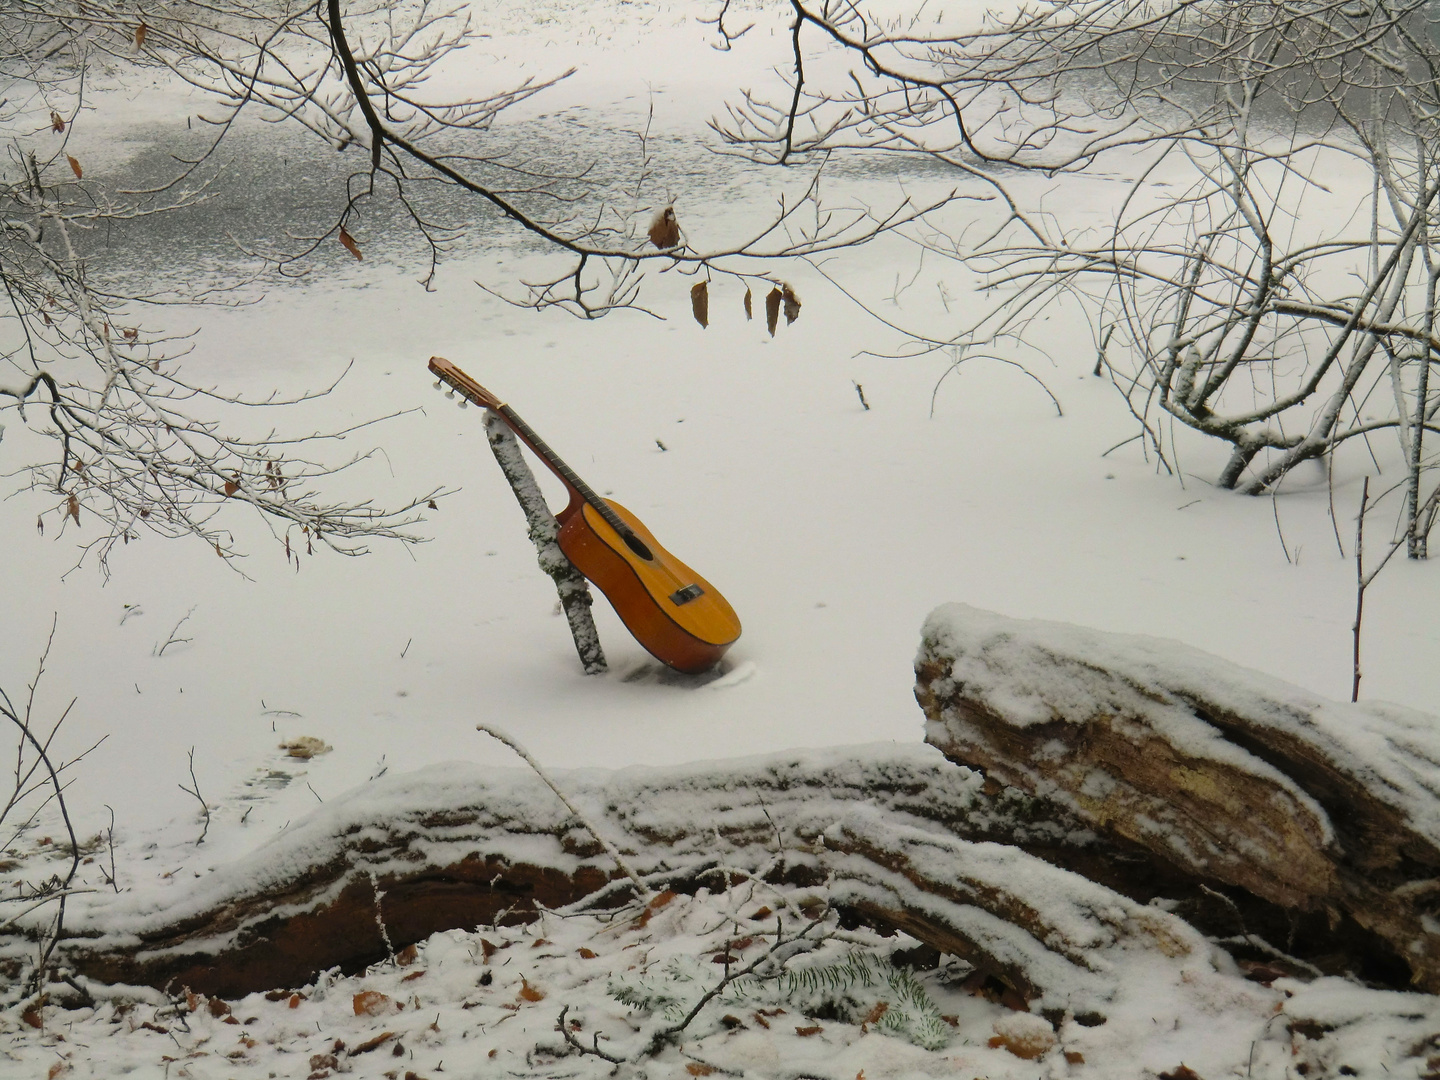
1229,779
894,837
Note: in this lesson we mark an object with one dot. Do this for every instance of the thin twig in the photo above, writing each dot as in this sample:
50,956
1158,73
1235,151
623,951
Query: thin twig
496,733
194,789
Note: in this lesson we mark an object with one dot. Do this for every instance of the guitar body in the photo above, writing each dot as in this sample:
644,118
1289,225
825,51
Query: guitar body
678,616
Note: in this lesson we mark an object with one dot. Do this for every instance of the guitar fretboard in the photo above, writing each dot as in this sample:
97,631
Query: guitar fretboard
552,459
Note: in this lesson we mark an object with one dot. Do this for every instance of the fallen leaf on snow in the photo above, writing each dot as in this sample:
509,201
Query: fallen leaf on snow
306,747
371,1044
372,1003
1025,1035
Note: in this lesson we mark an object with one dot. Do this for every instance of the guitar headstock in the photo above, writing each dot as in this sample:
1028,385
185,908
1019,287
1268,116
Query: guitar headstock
448,373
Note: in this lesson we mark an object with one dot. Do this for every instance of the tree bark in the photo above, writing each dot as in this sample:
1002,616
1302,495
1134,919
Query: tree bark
574,591
1240,782
903,838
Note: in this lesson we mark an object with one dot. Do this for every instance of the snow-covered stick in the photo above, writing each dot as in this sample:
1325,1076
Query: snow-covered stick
610,849
574,593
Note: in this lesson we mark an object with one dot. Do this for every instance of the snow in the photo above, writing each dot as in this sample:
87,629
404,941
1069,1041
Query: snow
832,529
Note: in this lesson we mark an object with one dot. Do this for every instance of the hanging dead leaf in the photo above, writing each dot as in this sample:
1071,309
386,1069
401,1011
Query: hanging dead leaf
749,309
665,229
40,524
131,334
144,513
218,551
792,305
772,310
700,303
57,122
75,167
140,32
73,508
350,245
433,505
231,487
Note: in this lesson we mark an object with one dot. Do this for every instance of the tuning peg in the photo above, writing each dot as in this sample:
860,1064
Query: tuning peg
439,385
464,403
449,392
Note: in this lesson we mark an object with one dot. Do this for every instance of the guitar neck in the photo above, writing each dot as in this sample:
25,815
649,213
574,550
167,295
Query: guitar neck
556,464
449,373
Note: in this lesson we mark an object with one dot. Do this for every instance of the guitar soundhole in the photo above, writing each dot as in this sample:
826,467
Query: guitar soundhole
685,595
635,544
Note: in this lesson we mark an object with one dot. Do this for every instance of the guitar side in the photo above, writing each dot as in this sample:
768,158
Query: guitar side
678,616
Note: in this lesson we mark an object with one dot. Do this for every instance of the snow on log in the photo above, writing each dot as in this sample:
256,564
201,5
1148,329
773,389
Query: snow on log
1230,776
904,839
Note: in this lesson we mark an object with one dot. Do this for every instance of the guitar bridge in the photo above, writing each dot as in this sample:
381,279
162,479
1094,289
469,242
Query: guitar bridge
685,595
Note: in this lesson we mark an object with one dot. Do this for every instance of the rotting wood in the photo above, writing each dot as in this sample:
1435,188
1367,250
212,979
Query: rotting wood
461,846
1324,811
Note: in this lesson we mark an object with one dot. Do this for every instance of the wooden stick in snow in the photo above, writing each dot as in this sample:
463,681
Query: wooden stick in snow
574,592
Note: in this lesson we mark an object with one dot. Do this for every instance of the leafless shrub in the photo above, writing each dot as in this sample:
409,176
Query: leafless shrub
36,797
1235,292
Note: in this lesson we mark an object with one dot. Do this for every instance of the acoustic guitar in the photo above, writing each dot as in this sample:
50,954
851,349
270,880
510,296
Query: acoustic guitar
678,616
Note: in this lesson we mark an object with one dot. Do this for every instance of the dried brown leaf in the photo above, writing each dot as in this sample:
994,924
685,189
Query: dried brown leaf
792,305
700,303
75,167
371,1044
528,992
57,122
749,308
140,32
349,242
806,1032
587,954
665,229
772,310
72,507
371,1003
407,956
699,1068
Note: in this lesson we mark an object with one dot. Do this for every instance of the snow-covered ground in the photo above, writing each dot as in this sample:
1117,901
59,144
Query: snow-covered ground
832,529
